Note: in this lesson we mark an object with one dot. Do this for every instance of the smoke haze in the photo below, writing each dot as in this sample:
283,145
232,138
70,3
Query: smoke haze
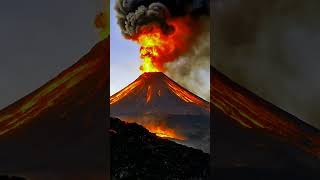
192,70
271,48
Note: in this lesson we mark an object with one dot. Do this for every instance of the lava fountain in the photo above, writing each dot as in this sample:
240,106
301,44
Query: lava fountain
159,47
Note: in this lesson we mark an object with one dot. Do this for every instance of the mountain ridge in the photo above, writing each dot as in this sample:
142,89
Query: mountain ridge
60,127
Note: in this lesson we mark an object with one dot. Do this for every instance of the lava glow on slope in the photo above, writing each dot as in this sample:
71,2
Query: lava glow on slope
158,47
150,88
55,91
147,83
164,132
45,97
252,112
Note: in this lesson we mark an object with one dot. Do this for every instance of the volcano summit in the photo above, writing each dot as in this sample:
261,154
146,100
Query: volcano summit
154,92
164,108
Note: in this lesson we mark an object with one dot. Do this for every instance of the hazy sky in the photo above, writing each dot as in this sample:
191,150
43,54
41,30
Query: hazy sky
124,56
272,48
39,39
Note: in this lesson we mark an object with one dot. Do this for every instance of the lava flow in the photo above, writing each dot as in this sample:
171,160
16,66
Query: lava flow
151,98
159,47
164,132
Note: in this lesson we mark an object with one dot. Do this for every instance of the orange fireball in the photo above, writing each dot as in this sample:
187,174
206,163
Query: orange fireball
159,47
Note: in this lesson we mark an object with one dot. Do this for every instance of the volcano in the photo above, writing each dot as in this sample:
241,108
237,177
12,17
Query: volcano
154,92
251,133
164,108
58,131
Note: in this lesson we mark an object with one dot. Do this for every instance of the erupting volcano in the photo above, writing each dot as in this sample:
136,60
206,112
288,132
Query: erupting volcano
165,32
164,108
164,29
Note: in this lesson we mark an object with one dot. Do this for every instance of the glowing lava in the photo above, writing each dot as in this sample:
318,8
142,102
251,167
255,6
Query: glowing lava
252,112
158,47
150,43
164,132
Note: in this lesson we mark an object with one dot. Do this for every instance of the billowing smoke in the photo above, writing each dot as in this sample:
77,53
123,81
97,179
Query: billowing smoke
191,59
133,14
192,70
272,48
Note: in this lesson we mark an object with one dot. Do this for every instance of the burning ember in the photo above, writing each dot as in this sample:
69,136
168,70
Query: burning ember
159,47
164,132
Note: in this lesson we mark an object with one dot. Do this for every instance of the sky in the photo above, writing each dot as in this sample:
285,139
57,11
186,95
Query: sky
124,57
39,39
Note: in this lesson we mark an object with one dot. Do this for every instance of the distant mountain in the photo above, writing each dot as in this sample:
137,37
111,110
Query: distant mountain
138,154
163,106
58,131
248,132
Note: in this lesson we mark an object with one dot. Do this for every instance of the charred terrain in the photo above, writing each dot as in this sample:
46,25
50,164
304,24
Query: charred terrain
138,154
11,178
58,131
254,139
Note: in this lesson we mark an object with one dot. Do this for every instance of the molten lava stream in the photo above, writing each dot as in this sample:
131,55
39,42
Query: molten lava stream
164,132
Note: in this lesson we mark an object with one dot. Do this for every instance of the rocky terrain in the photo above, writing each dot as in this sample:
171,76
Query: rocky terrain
138,154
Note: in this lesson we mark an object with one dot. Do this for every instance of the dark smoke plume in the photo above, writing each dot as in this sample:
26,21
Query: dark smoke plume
191,68
133,14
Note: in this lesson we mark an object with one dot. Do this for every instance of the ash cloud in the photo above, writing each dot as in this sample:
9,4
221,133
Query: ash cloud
133,14
191,69
271,48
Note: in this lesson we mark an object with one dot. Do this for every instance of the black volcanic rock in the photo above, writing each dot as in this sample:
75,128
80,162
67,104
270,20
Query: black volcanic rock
11,178
138,154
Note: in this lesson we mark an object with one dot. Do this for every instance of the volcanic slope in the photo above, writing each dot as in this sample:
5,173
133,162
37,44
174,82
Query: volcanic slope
154,92
59,129
250,132
157,102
